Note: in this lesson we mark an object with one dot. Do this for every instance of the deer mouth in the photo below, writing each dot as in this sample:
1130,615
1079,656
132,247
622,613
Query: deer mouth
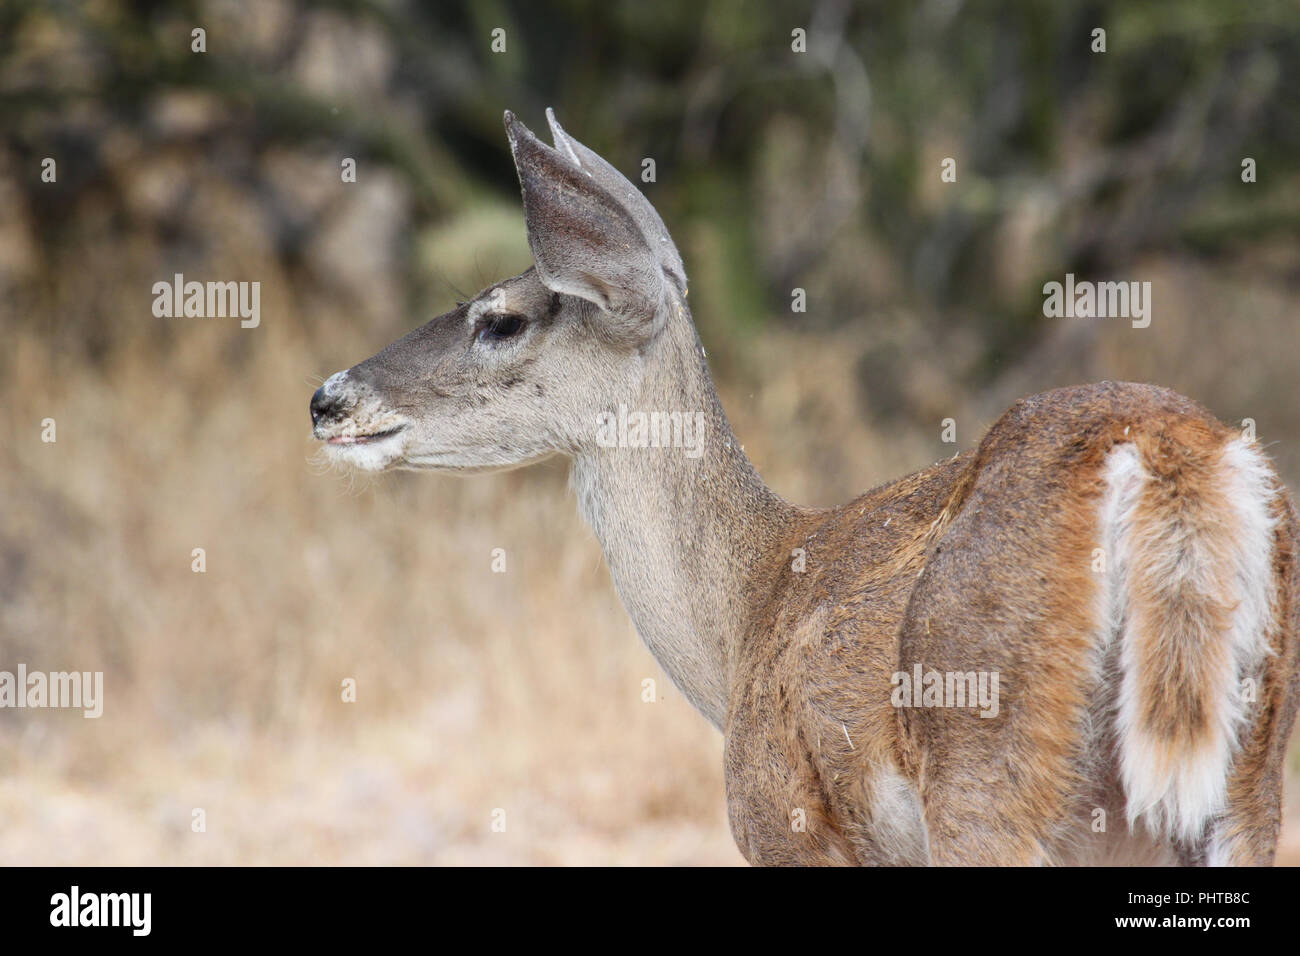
368,438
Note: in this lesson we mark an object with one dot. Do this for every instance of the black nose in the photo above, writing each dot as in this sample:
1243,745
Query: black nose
322,405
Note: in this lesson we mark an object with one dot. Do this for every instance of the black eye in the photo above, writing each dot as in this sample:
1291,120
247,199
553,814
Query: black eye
499,326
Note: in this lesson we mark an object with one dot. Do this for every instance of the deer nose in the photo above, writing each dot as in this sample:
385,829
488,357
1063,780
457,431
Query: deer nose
322,405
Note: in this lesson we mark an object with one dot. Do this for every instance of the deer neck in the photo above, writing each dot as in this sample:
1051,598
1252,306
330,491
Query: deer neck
690,533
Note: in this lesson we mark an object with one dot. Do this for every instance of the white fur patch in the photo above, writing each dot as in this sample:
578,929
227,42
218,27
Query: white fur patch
493,301
898,820
1181,801
372,456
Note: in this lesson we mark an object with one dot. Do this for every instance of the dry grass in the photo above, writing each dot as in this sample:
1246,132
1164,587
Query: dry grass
476,691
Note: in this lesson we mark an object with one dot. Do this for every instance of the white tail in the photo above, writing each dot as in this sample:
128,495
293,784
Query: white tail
1075,643
1192,594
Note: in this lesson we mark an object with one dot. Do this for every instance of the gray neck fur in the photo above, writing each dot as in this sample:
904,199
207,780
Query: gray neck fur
685,539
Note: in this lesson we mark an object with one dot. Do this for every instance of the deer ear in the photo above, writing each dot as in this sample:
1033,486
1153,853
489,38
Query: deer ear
585,242
617,185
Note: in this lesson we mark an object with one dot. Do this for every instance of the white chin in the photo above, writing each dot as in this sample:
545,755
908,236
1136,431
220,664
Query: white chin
371,456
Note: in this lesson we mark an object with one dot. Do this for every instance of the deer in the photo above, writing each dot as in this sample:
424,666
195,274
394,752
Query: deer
1111,563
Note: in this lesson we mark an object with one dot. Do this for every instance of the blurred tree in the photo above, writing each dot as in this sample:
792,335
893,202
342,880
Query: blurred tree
776,168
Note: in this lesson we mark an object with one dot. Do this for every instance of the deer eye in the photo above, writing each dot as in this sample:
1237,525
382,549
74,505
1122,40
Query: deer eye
499,326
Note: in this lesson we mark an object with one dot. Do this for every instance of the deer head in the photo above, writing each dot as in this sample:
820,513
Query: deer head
522,370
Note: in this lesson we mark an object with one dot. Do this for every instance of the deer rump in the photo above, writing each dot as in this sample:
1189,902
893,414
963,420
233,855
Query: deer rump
1125,589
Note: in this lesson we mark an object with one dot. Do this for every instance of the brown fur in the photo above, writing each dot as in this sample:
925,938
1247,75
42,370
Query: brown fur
1004,584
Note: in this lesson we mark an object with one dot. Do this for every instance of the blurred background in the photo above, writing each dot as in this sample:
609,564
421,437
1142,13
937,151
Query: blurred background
775,170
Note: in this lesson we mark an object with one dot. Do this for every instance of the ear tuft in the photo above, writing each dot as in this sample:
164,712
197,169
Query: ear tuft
562,141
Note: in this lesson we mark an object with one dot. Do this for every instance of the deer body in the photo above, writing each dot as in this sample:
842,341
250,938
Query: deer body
1120,563
986,562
